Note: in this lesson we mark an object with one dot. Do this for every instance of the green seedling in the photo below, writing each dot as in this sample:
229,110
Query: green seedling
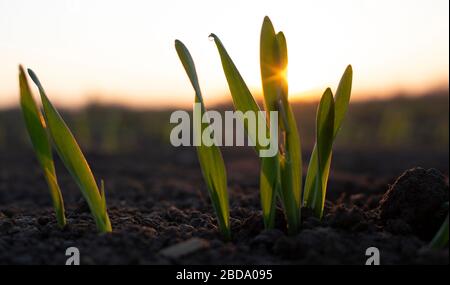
330,115
209,155
243,101
440,240
37,130
274,65
72,157
280,174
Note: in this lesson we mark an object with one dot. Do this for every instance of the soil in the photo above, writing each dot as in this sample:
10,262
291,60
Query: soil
157,200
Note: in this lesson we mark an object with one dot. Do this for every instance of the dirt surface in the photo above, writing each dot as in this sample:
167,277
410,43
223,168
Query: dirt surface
157,200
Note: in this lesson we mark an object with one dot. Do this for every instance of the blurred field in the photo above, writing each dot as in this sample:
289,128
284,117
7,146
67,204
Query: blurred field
378,137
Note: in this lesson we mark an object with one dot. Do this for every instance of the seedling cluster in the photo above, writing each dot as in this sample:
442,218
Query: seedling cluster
48,127
280,175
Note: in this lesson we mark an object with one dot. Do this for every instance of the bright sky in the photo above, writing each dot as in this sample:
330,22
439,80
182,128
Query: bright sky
123,51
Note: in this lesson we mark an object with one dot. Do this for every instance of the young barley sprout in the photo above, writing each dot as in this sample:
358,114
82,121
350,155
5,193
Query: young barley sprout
274,64
210,157
319,164
243,101
74,160
280,175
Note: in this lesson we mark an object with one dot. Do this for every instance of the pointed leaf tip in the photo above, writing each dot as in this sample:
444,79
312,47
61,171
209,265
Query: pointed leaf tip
34,77
178,43
349,68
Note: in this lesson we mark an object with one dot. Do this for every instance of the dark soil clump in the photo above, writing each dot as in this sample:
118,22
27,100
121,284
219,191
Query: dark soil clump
417,202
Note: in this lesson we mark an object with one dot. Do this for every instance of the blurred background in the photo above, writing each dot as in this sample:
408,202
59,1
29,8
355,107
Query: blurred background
111,68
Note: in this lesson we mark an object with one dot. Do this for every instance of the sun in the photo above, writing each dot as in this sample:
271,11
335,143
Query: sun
283,74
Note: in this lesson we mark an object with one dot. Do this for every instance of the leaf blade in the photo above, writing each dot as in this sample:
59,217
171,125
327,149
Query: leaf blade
36,128
324,142
210,157
342,100
290,164
269,65
244,101
242,98
73,158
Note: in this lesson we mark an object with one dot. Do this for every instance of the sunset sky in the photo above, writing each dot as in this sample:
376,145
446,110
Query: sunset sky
123,51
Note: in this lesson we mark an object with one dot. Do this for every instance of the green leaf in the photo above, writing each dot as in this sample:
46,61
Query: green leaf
310,181
57,198
244,101
324,143
274,65
282,56
269,185
270,175
292,139
342,99
325,128
242,98
210,157
270,67
440,240
291,171
74,160
35,124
